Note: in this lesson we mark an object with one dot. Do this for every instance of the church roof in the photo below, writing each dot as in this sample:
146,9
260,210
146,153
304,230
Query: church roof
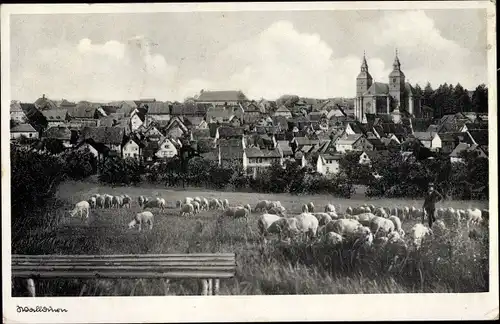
377,89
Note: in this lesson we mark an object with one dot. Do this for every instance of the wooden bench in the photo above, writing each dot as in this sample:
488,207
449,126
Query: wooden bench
209,268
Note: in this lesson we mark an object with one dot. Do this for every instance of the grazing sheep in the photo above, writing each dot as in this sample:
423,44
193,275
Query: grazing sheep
247,207
81,208
108,201
333,215
274,224
439,227
126,200
417,233
141,200
380,242
310,206
329,208
473,216
214,204
99,202
187,200
365,218
187,209
406,211
204,204
279,210
142,218
116,201
397,225
380,226
225,203
157,203
236,212
332,238
358,210
323,218
307,223
196,206
349,210
92,202
380,212
344,227
372,207
198,199
450,217
178,204
305,209
261,205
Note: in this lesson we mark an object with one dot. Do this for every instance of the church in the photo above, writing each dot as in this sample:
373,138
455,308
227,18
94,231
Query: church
379,98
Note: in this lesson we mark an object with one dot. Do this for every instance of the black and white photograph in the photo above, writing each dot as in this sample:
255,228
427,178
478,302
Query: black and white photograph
336,151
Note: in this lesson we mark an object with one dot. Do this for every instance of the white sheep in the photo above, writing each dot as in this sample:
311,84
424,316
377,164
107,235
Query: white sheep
204,204
142,218
197,199
236,212
417,233
247,207
305,209
82,208
196,206
274,224
439,227
178,204
397,225
365,218
187,200
261,205
329,208
214,204
108,201
344,227
380,212
92,202
126,201
116,201
100,202
156,203
187,209
349,210
473,216
280,210
332,238
225,203
310,206
141,200
333,215
380,226
308,224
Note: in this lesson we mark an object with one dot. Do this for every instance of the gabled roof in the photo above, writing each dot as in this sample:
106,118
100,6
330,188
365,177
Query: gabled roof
283,109
45,103
477,126
458,149
349,139
110,109
356,127
423,136
228,131
230,149
55,114
280,121
58,132
218,113
377,143
316,115
330,157
158,108
285,148
176,121
15,107
222,96
104,135
252,107
306,141
420,124
200,133
193,121
255,152
479,136
83,109
23,128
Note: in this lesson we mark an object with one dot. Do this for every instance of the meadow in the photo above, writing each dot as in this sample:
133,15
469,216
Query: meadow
452,263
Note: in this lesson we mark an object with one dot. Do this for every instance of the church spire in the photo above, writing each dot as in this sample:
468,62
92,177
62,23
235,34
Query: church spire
364,65
396,65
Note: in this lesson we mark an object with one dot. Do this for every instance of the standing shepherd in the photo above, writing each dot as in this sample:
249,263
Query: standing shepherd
431,198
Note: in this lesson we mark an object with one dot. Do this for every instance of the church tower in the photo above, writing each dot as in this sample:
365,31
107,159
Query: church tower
363,83
397,84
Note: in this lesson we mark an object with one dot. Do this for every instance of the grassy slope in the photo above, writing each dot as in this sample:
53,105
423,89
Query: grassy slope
256,273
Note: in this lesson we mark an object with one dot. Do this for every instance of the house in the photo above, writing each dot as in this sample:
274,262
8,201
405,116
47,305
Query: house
474,126
328,164
88,146
167,148
132,149
479,137
16,112
152,134
231,150
436,143
353,129
425,138
23,130
44,103
61,133
355,142
157,111
197,134
176,128
227,132
256,160
34,117
455,154
219,114
55,117
195,122
105,139
222,97
283,111
65,104
86,113
135,122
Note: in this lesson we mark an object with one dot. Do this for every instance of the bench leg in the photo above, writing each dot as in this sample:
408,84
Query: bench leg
210,285
216,287
204,287
30,284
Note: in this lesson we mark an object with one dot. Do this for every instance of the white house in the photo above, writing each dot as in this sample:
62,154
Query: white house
176,128
21,130
16,112
436,143
166,149
424,137
131,149
455,154
283,111
349,143
328,164
135,122
255,160
55,117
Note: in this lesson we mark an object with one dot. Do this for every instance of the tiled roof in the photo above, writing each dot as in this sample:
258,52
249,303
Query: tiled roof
377,89
377,143
230,149
55,114
222,96
285,148
110,109
331,157
477,126
228,131
193,120
200,133
23,128
104,135
283,109
458,149
83,109
15,107
58,132
254,152
349,139
45,103
158,108
423,136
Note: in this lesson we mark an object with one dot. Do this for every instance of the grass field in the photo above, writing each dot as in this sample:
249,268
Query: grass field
448,264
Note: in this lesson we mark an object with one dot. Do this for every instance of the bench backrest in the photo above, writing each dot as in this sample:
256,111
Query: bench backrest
203,266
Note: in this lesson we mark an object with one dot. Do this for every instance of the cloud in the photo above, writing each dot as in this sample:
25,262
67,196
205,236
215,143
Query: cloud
108,71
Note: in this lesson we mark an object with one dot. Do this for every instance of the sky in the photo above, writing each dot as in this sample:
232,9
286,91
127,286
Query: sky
171,56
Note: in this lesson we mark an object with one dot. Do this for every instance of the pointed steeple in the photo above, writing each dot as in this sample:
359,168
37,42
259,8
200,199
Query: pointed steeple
364,65
396,65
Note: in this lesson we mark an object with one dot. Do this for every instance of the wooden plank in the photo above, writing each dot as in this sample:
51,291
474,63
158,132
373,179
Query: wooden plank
205,259
123,275
135,256
128,263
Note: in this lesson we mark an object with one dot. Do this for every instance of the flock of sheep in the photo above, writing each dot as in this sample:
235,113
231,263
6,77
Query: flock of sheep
365,224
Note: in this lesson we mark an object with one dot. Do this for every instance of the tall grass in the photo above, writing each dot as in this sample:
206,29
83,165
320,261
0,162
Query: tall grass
451,263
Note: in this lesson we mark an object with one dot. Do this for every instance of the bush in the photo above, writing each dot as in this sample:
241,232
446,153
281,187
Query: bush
121,171
79,163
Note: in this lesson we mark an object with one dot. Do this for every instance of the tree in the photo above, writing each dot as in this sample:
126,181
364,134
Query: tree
52,145
480,99
461,99
428,95
80,163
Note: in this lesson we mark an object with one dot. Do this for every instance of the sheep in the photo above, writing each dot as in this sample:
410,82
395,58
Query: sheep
204,204
329,208
92,202
214,204
358,210
247,207
225,203
274,224
473,216
381,226
450,217
141,200
439,227
187,209
126,200
305,209
323,218
280,210
236,212
349,210
417,233
397,225
197,199
365,218
116,201
332,238
310,206
81,208
344,227
100,202
333,215
108,201
141,218
380,212
261,205
406,211
307,223
187,200
196,206
157,203
178,204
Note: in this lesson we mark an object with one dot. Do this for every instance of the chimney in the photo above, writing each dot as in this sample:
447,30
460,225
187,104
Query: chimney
43,96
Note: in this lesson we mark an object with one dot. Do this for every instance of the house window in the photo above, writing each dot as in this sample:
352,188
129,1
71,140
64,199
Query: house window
30,134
